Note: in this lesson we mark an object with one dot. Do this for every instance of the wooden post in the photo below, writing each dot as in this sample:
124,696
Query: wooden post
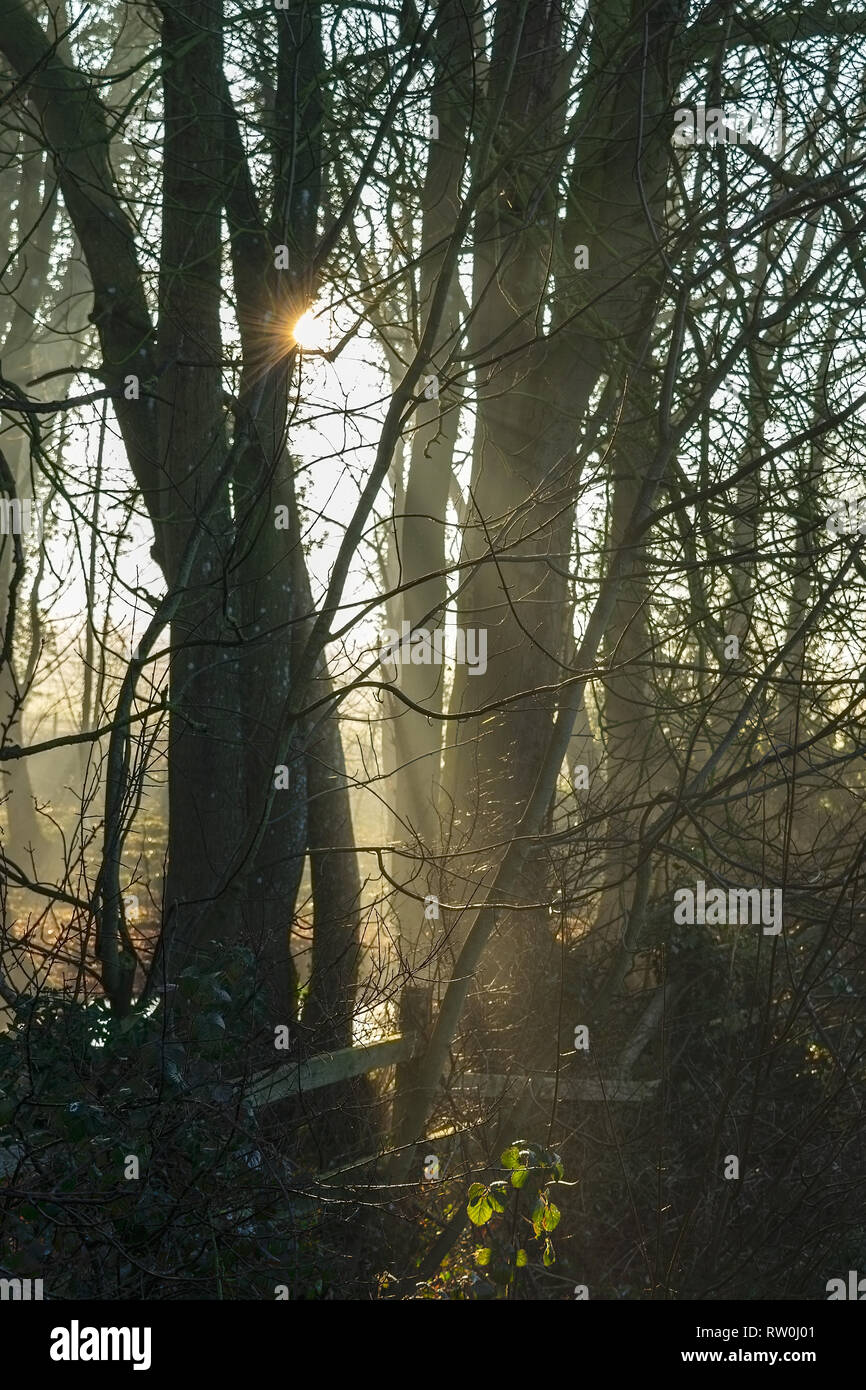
416,1009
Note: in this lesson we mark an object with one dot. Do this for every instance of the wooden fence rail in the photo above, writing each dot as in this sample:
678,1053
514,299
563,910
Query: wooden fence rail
296,1078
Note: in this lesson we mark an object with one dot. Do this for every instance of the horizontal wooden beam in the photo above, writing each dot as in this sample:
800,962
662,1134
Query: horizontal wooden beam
295,1078
619,1088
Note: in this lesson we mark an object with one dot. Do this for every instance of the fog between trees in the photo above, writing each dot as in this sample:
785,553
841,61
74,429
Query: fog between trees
439,618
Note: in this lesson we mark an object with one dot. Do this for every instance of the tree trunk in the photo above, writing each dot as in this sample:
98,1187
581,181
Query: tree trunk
204,766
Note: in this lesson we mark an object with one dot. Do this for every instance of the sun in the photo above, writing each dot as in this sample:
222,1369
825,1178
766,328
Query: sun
311,331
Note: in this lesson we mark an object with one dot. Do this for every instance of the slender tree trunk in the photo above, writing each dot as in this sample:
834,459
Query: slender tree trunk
204,781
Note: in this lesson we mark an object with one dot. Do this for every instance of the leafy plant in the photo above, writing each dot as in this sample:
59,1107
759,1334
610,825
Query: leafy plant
533,1171
204,1209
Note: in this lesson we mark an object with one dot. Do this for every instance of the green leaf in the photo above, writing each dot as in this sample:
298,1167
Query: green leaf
522,1259
496,1195
537,1218
552,1218
519,1176
483,1254
548,1257
480,1207
521,1151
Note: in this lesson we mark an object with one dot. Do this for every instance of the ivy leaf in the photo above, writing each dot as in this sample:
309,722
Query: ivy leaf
172,1072
210,1025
